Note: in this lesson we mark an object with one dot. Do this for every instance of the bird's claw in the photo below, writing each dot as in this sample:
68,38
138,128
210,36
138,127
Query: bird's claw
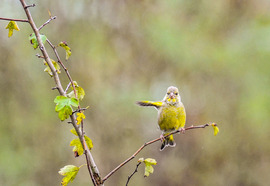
162,138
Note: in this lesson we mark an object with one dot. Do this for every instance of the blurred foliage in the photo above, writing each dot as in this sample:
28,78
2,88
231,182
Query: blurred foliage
216,52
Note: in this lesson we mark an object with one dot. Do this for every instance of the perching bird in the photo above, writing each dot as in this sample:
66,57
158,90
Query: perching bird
171,115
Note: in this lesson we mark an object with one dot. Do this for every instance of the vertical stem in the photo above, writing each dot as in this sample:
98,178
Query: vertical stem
93,170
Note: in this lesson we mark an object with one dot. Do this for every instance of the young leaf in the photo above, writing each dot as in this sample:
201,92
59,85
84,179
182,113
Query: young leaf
70,172
216,129
12,25
148,165
73,131
79,90
80,117
88,142
66,47
65,112
77,149
56,66
33,39
64,106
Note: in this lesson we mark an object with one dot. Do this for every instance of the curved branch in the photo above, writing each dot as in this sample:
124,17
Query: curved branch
148,143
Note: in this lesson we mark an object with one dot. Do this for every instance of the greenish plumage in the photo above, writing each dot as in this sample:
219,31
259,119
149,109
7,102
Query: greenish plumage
171,114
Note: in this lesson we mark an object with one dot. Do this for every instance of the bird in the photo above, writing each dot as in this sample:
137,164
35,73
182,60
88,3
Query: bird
171,115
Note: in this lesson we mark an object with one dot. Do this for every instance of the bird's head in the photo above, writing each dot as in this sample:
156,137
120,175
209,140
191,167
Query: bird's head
172,96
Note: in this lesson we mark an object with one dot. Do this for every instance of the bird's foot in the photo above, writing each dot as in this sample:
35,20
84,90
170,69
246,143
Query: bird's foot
162,138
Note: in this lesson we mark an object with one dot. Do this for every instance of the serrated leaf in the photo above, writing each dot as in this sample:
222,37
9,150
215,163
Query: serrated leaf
48,69
80,117
88,142
74,102
65,112
216,129
70,172
12,25
67,49
63,106
33,39
73,131
77,146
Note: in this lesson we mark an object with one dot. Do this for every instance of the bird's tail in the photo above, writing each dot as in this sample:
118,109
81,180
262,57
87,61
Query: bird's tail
168,141
156,104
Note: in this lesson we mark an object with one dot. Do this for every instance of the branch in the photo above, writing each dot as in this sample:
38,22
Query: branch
47,22
93,170
18,20
150,142
136,170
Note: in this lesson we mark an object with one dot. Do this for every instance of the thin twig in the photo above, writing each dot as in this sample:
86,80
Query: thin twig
79,110
47,22
18,20
32,5
67,87
136,170
148,143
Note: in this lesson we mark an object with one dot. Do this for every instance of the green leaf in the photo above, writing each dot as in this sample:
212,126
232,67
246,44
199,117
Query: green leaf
66,47
80,117
79,90
70,172
65,112
64,106
33,39
74,102
12,25
88,142
73,131
148,165
48,69
77,149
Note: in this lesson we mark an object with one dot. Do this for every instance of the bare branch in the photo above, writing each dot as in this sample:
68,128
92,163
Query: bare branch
150,142
47,22
136,170
18,20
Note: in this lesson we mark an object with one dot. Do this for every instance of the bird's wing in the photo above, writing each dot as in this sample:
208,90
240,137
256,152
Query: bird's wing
156,104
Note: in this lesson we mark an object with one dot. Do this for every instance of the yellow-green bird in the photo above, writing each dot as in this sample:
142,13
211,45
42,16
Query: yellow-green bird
171,115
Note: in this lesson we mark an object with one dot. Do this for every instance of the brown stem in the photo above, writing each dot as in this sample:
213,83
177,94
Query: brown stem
148,143
18,20
93,171
47,22
136,170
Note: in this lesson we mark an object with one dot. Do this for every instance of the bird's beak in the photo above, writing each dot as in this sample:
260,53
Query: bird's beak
171,95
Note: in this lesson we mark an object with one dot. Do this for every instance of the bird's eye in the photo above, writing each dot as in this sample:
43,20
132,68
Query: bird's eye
176,93
168,93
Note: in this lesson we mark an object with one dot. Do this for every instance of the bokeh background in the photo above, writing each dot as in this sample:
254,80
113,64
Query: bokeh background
216,52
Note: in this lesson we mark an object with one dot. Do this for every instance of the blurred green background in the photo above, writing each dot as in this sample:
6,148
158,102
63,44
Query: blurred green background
216,52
